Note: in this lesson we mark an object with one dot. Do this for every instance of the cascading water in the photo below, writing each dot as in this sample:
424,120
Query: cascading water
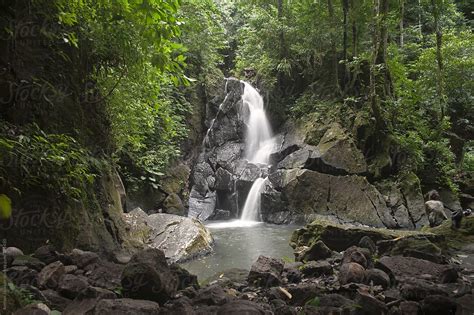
259,143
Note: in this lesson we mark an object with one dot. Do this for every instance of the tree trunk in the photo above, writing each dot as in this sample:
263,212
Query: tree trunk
345,10
335,75
439,57
402,30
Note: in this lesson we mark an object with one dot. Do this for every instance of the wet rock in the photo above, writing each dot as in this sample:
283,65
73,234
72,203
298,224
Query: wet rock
211,295
201,206
377,277
220,214
351,272
410,308
293,273
181,306
449,275
147,276
224,180
36,309
50,276
439,305
56,301
266,272
178,237
70,286
303,292
280,307
242,307
47,254
126,307
316,269
82,258
369,305
317,251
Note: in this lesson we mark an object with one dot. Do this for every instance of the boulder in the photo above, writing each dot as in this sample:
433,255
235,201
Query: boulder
147,276
21,275
438,305
82,258
377,277
180,238
242,307
28,261
317,251
211,295
358,255
351,272
201,206
417,289
36,309
126,307
70,286
409,267
316,269
369,304
266,272
86,301
47,254
349,198
56,301
340,237
173,205
50,276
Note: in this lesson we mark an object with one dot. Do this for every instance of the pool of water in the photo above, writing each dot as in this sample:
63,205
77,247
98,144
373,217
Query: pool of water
238,245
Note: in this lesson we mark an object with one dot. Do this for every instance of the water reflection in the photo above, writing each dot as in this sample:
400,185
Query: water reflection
238,245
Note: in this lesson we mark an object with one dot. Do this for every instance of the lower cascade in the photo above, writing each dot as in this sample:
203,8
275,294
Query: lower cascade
259,144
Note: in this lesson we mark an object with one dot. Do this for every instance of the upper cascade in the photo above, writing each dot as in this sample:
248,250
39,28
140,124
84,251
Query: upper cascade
259,141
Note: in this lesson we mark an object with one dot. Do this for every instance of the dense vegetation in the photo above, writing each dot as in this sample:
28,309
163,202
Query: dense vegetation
122,82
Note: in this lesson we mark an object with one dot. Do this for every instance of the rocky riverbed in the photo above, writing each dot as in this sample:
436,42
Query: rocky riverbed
337,270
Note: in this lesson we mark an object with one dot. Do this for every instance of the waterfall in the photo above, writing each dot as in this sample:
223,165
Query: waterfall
259,143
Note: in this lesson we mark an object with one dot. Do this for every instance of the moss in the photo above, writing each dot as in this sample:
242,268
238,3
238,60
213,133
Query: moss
455,239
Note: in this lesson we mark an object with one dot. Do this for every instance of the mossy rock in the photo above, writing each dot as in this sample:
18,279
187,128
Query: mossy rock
340,237
454,239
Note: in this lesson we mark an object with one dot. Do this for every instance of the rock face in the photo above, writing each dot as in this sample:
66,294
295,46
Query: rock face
180,238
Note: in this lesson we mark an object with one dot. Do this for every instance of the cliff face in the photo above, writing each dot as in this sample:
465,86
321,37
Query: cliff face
44,87
317,170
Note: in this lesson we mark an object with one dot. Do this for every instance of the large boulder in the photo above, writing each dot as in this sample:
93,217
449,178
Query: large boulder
180,238
147,276
126,307
340,237
308,193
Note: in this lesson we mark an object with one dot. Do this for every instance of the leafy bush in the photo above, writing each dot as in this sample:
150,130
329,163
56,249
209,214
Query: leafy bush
31,158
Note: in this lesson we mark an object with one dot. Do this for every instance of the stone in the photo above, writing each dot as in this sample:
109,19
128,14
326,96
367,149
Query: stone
28,261
36,309
126,307
82,258
410,308
449,275
303,292
317,251
418,289
70,285
266,272
339,237
369,304
21,275
239,307
180,238
47,254
13,252
224,180
211,295
185,279
351,272
56,301
409,267
357,255
438,305
86,301
201,207
173,205
50,276
465,305
147,276
104,274
377,277
316,269
368,243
